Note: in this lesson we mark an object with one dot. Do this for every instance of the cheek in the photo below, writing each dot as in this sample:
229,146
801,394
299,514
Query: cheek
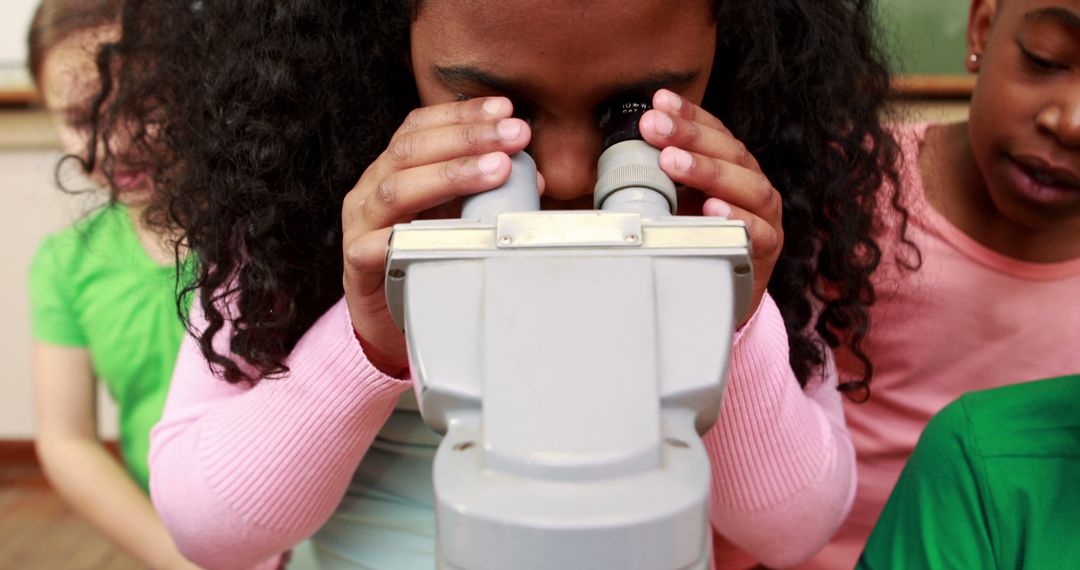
1006,98
1001,111
119,143
71,140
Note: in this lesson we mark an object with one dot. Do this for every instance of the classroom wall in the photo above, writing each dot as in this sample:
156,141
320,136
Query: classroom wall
925,37
32,207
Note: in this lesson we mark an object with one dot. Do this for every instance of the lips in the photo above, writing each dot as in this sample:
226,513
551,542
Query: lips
1048,173
1043,183
129,179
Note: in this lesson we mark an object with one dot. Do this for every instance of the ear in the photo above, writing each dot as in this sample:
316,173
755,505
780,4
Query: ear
980,21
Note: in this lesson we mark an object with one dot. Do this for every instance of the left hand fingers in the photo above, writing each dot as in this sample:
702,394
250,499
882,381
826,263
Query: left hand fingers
736,193
676,105
698,151
675,121
717,178
767,239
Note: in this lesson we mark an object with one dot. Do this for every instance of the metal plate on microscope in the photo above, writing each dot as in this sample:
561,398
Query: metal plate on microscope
696,237
424,238
568,229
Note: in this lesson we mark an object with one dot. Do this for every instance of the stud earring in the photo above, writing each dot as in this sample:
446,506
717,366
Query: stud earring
974,58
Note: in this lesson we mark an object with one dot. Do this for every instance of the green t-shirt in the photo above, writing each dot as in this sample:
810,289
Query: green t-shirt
993,483
93,285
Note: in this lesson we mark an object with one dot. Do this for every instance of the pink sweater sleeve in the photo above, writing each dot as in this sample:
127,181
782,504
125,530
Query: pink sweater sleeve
241,474
783,461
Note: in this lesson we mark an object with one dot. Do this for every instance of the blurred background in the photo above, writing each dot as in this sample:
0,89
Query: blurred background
37,529
33,207
924,37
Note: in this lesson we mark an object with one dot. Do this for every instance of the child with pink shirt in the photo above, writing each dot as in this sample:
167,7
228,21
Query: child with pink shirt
308,128
994,228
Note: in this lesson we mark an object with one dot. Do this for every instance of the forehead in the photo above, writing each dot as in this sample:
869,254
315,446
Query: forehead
578,42
594,14
1062,12
69,72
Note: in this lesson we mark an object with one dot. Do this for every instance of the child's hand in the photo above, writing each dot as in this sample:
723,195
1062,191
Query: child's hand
699,152
439,153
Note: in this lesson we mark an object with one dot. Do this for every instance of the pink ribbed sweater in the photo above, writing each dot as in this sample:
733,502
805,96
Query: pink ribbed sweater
968,319
241,474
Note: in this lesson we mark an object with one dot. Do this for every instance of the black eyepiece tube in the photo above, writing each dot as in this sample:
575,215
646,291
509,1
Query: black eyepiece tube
619,120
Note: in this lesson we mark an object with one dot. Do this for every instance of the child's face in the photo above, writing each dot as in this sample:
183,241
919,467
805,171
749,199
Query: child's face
1025,112
69,82
559,61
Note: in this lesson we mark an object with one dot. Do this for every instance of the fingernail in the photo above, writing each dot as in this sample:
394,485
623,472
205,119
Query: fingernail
716,207
509,129
669,99
683,160
489,163
662,124
493,107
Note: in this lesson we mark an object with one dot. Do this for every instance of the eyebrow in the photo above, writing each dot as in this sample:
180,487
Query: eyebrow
461,76
1063,16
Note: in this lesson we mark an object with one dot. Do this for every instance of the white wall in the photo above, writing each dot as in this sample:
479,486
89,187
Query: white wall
14,20
32,207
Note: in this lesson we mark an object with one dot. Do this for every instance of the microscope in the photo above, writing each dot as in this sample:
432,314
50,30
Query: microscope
571,359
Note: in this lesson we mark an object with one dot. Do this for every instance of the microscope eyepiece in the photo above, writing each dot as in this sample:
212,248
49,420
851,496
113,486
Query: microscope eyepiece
629,177
619,120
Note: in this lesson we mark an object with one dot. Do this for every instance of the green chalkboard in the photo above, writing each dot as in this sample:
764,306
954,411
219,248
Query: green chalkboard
925,37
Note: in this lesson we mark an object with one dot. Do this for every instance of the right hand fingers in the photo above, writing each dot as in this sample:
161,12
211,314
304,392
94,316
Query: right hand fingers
450,130
364,257
435,144
383,342
426,165
456,113
402,195
439,153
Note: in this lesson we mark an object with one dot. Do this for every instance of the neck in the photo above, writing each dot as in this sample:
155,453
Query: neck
157,244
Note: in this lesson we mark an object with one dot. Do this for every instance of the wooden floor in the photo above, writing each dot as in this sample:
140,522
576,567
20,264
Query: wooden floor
38,531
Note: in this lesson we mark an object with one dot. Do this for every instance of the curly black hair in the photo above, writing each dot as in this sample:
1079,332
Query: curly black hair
279,106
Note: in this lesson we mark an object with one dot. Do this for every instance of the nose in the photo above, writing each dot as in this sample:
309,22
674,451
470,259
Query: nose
566,155
1061,119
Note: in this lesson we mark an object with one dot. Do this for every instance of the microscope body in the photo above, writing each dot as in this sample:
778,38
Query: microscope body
571,358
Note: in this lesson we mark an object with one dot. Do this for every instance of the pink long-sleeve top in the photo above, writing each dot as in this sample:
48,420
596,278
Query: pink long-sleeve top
968,318
241,474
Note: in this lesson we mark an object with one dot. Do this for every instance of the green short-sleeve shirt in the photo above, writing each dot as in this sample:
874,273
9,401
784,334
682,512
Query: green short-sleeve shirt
993,483
93,285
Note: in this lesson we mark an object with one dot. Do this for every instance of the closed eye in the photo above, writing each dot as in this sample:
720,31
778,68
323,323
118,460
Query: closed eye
1041,64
